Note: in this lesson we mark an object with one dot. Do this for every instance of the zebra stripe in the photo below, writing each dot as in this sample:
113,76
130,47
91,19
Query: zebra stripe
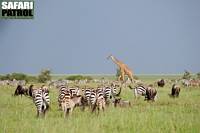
93,97
140,90
87,95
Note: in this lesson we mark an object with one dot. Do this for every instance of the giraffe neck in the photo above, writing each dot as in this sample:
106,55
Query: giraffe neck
116,61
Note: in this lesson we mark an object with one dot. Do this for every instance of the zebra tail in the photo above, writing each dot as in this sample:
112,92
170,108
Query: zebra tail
94,106
46,103
130,87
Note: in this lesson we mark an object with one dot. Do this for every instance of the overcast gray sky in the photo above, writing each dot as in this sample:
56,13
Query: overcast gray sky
76,36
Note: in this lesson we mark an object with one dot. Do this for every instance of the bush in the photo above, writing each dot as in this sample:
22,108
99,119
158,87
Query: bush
186,75
3,77
79,77
44,76
32,79
136,77
17,76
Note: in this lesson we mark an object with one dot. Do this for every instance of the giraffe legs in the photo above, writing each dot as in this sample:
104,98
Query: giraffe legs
122,75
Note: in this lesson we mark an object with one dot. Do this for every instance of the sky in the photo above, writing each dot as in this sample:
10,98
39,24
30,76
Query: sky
76,36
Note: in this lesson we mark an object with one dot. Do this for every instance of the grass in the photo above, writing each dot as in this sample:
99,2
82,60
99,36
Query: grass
182,115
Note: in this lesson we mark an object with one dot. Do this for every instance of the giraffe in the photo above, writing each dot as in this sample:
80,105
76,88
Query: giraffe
124,69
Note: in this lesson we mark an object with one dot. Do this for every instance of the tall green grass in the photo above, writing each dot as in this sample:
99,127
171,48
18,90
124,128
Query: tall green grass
182,115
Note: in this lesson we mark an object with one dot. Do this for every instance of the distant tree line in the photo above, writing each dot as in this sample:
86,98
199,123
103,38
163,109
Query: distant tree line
187,75
42,77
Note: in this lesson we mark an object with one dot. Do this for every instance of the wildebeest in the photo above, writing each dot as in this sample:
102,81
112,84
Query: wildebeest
151,93
121,103
175,90
20,90
30,90
161,83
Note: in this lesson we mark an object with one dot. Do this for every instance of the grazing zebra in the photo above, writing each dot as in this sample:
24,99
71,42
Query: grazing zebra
41,100
139,90
100,102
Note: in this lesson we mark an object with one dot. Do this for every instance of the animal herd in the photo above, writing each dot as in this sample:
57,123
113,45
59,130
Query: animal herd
96,99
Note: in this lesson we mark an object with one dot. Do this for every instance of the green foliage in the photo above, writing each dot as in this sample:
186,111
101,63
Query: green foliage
136,77
79,77
186,75
32,79
118,73
44,76
3,77
198,75
17,76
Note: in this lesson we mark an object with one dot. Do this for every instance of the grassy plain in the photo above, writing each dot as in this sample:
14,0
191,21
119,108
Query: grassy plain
166,115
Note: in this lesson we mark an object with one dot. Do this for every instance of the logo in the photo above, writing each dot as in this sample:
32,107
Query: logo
17,10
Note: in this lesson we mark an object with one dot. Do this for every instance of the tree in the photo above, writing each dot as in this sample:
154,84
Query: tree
198,75
44,76
186,75
118,72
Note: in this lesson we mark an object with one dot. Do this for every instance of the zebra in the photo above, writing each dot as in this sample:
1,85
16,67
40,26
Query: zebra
68,102
87,94
110,92
100,102
42,100
75,91
65,102
62,92
93,97
147,91
139,90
